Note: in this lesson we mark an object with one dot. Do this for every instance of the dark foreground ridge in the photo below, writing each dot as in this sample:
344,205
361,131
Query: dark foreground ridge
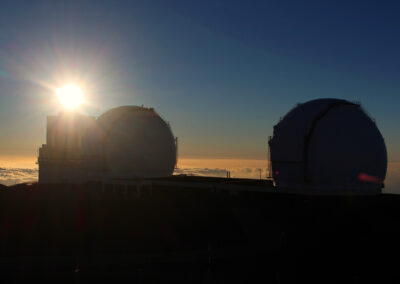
175,231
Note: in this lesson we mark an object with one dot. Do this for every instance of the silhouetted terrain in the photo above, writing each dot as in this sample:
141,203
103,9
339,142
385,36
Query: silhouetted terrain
159,234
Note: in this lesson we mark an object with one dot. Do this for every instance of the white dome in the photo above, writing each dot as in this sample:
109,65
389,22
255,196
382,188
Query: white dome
328,144
130,142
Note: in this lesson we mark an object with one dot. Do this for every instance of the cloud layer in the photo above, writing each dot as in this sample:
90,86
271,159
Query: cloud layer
222,172
10,176
392,181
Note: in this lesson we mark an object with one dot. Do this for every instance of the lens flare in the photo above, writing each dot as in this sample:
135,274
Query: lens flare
70,96
369,178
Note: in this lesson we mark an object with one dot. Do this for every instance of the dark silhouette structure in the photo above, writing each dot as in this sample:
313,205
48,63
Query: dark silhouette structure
123,143
330,145
153,233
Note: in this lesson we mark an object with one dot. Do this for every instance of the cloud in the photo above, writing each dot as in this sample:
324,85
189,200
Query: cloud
10,176
222,172
201,172
392,182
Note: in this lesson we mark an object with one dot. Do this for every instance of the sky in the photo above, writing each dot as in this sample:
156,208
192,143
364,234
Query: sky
221,72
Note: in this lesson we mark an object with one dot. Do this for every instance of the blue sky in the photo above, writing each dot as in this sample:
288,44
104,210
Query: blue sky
221,72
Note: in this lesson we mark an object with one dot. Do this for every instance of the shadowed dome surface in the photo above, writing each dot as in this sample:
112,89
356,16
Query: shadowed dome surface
328,144
130,142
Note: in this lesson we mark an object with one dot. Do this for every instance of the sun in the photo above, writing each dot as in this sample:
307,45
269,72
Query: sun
70,96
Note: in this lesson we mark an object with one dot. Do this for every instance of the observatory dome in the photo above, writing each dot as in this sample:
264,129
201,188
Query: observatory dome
328,144
130,142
